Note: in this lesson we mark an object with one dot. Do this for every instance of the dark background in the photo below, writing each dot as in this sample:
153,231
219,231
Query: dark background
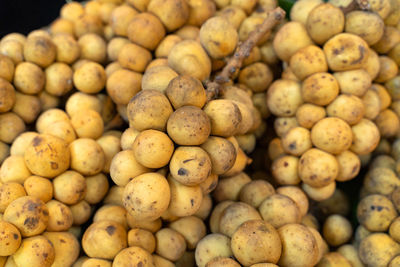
24,16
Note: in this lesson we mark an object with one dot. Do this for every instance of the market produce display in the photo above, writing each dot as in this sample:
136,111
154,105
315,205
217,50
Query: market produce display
202,133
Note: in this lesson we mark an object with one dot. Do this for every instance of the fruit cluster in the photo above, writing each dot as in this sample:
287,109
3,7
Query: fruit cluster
196,133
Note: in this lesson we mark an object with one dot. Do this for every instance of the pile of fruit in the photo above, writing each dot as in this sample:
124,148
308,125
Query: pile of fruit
202,133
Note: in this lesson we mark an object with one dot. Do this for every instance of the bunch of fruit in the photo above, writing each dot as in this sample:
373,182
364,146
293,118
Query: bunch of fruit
333,102
126,130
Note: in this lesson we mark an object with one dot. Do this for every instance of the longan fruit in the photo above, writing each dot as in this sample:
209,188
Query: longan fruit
7,95
378,249
318,168
233,14
92,47
200,11
271,210
249,243
142,238
40,50
310,89
349,166
29,214
324,22
376,212
172,13
14,170
367,25
87,23
120,18
235,215
96,188
211,247
147,196
190,165
67,48
337,230
355,82
10,239
114,47
90,78
87,123
35,251
388,123
185,200
191,228
146,30
297,141
222,154
388,69
349,108
365,137
10,191
185,90
139,106
47,156
225,117
27,107
218,37
69,187
60,216
114,213
284,46
81,212
297,195
301,10
13,49
71,11
166,44
39,187
153,149
122,85
6,68
134,57
284,97
158,78
29,78
62,25
285,170
87,156
309,114
307,61
189,58
381,180
257,76
189,125
11,125
58,79
332,135
296,239
124,167
66,247
346,51
104,239
222,261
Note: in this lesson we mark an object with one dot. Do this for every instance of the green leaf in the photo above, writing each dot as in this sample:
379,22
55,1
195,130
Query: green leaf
286,5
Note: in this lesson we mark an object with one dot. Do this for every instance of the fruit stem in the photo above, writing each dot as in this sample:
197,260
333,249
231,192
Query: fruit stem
243,51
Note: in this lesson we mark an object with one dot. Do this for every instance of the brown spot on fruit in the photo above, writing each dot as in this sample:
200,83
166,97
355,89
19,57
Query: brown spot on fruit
110,229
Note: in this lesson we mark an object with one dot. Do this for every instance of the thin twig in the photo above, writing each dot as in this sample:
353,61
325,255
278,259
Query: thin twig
356,5
243,51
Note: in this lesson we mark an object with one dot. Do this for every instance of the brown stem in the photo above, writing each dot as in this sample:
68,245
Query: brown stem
356,5
114,123
243,51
